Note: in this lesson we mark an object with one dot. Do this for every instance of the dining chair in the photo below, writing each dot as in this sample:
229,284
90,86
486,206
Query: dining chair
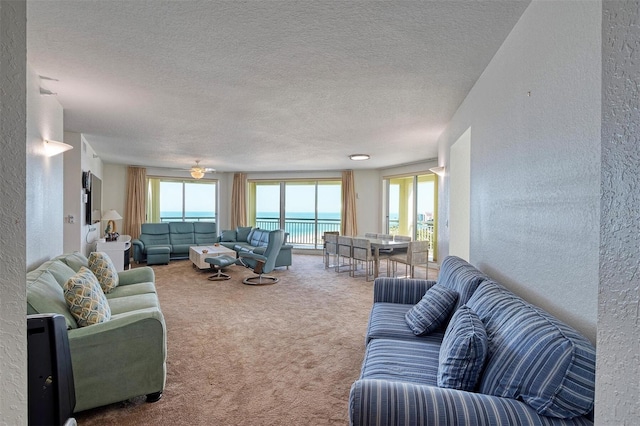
385,253
330,247
370,235
361,252
417,254
345,245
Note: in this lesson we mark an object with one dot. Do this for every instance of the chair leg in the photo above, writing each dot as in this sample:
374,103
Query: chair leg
260,279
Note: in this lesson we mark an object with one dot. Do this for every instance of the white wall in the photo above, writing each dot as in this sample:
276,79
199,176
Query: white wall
618,372
78,236
13,122
45,188
535,147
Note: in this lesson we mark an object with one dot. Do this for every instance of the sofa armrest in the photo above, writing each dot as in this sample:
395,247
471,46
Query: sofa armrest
396,290
143,274
119,359
385,402
138,249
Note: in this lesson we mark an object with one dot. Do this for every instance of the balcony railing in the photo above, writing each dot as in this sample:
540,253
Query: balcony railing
303,233
188,219
425,231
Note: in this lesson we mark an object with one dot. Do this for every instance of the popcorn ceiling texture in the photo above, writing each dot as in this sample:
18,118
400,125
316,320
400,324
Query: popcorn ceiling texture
13,343
618,374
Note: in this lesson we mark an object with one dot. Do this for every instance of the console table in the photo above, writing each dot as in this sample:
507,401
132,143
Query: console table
118,251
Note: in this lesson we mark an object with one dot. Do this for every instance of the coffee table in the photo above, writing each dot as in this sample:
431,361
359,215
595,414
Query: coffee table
197,256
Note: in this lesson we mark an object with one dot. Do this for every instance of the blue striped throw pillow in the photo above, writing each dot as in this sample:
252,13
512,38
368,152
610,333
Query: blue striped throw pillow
463,351
432,311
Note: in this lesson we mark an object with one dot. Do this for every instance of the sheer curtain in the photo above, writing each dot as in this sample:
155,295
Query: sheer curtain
153,201
239,201
349,222
134,210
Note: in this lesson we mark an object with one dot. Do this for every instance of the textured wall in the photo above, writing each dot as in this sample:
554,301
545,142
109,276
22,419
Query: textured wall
618,375
534,116
13,118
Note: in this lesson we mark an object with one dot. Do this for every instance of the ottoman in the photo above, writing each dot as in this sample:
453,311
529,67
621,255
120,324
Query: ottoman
218,263
158,255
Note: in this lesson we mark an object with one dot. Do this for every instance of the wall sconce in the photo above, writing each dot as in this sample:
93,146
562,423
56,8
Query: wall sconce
437,170
52,148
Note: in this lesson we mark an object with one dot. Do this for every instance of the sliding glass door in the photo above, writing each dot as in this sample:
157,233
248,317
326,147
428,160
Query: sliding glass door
412,208
303,208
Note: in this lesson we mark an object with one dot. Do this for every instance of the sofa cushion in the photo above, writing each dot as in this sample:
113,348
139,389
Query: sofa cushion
85,299
46,296
242,233
533,357
154,234
204,233
134,302
463,351
459,275
228,235
414,361
131,290
387,321
74,260
59,270
105,271
181,233
432,310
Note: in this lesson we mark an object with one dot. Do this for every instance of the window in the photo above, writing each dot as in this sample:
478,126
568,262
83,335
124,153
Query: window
412,208
304,209
176,200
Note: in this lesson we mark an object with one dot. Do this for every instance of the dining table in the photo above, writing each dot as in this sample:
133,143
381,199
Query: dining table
382,243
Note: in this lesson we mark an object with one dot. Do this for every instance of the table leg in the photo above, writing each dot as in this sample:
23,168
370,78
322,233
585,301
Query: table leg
376,262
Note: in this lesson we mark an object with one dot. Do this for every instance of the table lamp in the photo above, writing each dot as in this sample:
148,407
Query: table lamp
110,231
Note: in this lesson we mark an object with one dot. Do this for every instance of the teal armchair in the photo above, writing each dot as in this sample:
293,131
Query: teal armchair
263,259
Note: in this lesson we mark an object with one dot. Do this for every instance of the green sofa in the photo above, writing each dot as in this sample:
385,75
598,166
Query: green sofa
112,361
160,242
246,239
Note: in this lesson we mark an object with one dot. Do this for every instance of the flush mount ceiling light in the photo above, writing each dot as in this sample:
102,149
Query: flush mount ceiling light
359,157
52,148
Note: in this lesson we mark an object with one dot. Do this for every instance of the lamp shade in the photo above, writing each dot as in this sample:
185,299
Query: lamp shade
111,215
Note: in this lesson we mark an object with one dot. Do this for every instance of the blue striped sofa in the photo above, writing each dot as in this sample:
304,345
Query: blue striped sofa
537,371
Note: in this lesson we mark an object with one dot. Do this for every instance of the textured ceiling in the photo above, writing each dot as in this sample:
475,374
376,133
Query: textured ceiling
263,86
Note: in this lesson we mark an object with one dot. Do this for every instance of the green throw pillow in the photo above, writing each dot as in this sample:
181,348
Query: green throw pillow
105,271
86,300
242,233
228,236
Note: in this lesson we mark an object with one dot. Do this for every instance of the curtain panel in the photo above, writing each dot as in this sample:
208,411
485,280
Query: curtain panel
239,201
349,222
134,214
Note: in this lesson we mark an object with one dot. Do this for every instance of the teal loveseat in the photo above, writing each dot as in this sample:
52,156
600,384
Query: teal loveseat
116,360
246,239
160,242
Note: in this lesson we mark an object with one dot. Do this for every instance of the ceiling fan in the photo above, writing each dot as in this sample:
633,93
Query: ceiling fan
197,171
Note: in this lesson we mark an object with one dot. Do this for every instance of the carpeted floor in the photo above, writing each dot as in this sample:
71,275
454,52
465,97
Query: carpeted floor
282,354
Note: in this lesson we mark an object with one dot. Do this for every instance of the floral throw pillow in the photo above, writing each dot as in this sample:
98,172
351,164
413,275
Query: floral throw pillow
85,299
105,271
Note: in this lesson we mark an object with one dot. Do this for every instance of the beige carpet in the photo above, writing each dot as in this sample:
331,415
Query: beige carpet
282,354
